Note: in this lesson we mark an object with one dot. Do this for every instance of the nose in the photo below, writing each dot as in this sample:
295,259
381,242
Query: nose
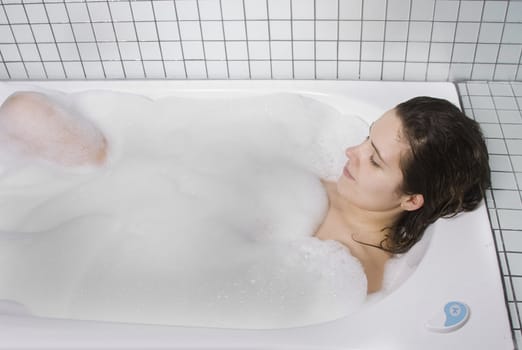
350,152
354,153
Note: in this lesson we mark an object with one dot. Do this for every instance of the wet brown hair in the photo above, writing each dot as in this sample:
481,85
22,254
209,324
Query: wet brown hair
448,164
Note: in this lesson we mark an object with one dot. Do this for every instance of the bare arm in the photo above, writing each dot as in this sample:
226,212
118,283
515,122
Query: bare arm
35,125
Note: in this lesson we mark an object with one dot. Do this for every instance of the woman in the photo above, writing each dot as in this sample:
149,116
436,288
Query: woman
422,160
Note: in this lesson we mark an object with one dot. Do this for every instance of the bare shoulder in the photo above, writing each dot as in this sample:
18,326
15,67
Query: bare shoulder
374,263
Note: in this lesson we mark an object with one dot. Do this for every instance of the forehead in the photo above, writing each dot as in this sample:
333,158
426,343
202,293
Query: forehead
387,135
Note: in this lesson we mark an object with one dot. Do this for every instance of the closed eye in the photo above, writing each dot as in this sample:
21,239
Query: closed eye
372,160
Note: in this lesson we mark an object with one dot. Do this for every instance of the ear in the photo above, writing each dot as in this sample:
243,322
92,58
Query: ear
412,202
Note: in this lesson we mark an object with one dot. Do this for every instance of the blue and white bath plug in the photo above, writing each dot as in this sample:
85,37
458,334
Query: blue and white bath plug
455,315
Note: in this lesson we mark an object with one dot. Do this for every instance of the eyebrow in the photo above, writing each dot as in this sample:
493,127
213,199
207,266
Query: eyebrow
375,148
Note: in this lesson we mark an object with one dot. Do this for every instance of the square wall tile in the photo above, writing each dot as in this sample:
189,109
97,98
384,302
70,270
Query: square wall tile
36,13
280,9
255,9
443,32
350,9
328,9
260,70
99,11
446,10
142,11
393,70
304,69
218,70
471,11
438,71
422,10
494,11
35,70
303,9
398,10
326,30
55,70
260,50
57,13
10,52
282,69
195,70
280,30
374,9
187,10
257,30
491,32
120,11
165,10
326,69
350,30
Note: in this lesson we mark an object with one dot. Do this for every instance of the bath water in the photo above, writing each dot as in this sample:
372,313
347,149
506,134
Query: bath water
204,215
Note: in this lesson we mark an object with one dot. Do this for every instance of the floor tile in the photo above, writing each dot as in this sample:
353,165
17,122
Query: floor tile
509,289
512,240
493,218
465,103
499,162
512,131
507,199
513,311
517,287
517,88
516,161
492,130
518,177
505,102
502,180
482,102
500,89
510,219
497,107
506,116
478,89
485,115
498,146
515,263
513,146
518,338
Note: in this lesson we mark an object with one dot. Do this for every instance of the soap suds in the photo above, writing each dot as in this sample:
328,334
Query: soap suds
203,216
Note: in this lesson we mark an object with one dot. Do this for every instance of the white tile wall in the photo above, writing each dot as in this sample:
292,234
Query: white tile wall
261,39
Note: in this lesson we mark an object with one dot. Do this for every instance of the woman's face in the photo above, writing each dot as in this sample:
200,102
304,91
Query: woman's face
372,176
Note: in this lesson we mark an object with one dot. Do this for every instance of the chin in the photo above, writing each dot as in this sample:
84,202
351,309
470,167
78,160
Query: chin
342,185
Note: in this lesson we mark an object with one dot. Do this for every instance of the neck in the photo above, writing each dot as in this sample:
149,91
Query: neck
367,226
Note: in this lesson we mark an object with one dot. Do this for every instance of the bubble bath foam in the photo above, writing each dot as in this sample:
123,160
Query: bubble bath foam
197,232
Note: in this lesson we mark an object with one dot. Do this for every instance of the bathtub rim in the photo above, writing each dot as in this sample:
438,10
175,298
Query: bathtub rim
400,90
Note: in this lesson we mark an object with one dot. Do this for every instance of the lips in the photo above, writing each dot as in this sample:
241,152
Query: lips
347,173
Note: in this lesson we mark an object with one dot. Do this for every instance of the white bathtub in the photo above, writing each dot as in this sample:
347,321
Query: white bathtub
455,261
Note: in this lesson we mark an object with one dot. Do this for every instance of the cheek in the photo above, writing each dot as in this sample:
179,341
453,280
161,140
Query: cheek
375,191
379,187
